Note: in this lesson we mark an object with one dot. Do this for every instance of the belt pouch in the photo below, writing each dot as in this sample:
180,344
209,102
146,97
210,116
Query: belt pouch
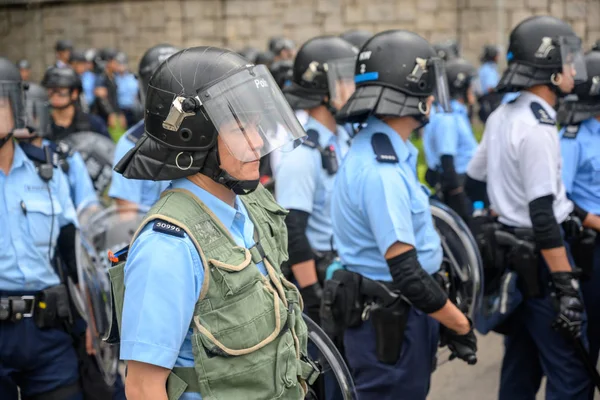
524,261
52,306
390,324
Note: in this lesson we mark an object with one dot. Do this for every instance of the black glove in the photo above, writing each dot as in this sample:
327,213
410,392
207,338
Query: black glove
312,301
568,304
461,346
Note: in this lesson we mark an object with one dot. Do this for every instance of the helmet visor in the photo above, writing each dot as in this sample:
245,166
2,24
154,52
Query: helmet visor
442,92
12,111
573,62
251,114
340,80
38,116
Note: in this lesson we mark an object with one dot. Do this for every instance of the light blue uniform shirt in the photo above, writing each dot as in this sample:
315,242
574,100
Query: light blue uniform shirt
303,184
508,97
88,81
581,165
163,277
377,204
82,190
488,76
450,134
138,191
127,90
30,223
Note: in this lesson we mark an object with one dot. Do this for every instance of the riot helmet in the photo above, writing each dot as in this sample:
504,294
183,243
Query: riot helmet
322,74
282,72
62,83
37,112
448,49
250,54
584,102
490,54
12,110
264,58
151,59
356,37
396,72
282,48
78,62
209,111
63,45
543,50
460,74
25,69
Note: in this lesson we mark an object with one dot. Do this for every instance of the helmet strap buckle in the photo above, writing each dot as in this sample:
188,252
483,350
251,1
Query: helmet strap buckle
177,113
556,79
423,107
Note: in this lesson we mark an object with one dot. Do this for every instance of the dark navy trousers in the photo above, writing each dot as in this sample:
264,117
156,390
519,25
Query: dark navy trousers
410,377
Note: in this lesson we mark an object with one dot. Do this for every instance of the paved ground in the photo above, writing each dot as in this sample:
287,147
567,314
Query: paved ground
458,381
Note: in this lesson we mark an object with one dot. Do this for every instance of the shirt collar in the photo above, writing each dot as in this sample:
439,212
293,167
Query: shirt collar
530,97
458,107
223,211
404,150
593,125
324,133
19,157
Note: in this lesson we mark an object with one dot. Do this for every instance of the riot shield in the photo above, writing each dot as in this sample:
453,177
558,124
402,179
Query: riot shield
462,265
98,152
335,378
108,230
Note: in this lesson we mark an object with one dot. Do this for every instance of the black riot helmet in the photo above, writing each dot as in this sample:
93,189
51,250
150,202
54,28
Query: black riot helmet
279,44
24,64
151,59
460,74
200,102
12,110
56,77
490,53
63,45
448,49
37,111
541,51
282,72
396,72
322,74
356,37
586,99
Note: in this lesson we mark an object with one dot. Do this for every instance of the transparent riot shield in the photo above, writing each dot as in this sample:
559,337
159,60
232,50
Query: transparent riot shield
335,378
110,229
462,268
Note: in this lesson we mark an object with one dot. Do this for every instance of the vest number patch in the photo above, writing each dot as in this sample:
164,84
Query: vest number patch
165,227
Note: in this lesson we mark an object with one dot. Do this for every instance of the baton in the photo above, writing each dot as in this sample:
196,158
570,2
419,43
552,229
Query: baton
589,366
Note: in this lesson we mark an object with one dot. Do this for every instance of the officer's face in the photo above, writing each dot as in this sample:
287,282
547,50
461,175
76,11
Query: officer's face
7,121
59,97
79,67
25,73
343,90
235,144
63,55
567,82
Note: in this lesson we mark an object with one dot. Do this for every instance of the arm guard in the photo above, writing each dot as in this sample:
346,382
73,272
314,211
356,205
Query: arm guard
104,106
476,190
415,284
545,228
66,248
298,245
449,178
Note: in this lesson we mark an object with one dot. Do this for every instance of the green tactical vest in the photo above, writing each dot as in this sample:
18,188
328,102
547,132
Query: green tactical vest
249,339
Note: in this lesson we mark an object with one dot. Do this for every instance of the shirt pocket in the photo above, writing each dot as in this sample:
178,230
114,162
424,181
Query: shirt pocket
42,221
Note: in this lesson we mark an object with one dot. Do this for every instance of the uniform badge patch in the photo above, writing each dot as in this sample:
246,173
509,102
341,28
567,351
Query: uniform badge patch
542,115
571,132
168,228
207,231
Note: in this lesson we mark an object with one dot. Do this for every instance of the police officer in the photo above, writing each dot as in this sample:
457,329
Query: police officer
37,221
205,263
63,49
488,71
519,158
88,77
106,102
356,37
383,227
323,81
64,88
448,140
448,49
39,134
25,69
136,192
282,49
580,147
127,91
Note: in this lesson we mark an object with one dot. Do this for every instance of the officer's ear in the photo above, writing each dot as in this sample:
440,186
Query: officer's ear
74,94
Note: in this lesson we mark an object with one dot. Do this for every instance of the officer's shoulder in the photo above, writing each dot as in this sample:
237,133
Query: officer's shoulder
312,139
571,131
383,149
540,114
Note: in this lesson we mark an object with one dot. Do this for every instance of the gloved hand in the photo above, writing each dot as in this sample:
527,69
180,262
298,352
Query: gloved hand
568,304
461,346
311,295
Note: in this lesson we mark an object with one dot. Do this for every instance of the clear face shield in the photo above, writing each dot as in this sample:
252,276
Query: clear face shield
12,111
251,114
573,62
38,116
435,69
340,80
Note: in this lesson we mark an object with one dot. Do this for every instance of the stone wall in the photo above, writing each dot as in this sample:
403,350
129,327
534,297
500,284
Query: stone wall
133,25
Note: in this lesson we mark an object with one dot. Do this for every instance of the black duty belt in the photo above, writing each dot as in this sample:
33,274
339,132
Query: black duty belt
16,308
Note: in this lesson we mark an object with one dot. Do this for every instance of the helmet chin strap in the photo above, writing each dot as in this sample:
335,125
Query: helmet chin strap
6,139
213,170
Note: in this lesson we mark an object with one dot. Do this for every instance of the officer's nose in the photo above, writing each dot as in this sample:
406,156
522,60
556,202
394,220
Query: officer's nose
254,139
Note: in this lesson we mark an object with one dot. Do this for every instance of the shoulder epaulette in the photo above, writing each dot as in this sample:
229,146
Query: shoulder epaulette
135,134
384,151
571,132
541,115
168,228
312,139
